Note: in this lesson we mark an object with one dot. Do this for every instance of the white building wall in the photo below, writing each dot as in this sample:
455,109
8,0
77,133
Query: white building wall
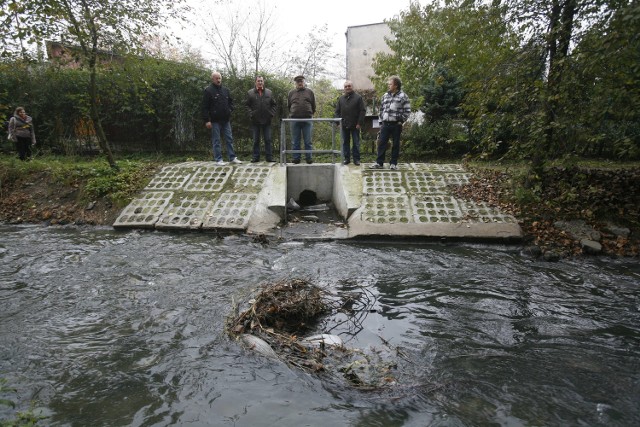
363,43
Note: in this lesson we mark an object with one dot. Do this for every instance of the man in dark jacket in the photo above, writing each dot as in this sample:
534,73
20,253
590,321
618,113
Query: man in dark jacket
302,105
217,106
351,110
262,108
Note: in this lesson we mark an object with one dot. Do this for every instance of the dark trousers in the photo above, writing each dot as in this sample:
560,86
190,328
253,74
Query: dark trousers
24,147
266,135
389,130
347,136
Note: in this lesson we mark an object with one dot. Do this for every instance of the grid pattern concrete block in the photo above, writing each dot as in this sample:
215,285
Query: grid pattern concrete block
170,178
478,212
145,210
388,209
436,167
435,208
401,166
231,211
383,182
456,178
188,212
418,182
209,178
250,176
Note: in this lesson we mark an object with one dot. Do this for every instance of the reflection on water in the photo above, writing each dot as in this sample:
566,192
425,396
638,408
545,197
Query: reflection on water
111,328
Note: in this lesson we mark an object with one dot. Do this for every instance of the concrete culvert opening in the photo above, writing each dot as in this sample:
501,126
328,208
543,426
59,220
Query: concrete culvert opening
311,208
308,208
308,198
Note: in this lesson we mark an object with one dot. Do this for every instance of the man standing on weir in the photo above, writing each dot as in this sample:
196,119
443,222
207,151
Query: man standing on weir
217,106
302,105
351,110
394,111
262,108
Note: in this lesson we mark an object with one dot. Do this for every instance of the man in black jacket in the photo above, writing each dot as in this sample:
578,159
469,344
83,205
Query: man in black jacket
262,108
217,106
351,110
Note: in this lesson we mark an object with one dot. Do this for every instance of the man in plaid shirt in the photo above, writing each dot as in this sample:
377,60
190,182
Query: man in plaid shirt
394,111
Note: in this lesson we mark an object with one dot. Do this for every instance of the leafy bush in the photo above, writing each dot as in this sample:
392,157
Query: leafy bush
442,139
119,185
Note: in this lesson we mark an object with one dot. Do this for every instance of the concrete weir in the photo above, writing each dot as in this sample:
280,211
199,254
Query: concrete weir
414,201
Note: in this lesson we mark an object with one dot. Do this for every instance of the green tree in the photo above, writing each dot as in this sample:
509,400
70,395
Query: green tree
472,41
114,24
24,25
442,95
542,79
99,28
604,87
465,37
574,35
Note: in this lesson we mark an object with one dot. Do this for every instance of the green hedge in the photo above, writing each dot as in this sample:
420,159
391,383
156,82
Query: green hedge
147,105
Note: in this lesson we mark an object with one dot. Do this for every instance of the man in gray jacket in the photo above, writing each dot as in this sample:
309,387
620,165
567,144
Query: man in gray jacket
262,108
351,110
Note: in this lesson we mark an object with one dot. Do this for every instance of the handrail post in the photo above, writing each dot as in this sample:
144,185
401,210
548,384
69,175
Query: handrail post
333,142
283,143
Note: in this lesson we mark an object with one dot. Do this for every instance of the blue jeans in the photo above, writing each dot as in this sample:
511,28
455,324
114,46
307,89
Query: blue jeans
304,129
347,136
266,134
225,127
389,130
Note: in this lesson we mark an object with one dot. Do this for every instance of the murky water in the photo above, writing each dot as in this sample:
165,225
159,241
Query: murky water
104,328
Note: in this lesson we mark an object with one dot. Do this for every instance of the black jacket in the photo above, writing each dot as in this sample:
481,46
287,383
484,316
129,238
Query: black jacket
217,104
351,109
261,108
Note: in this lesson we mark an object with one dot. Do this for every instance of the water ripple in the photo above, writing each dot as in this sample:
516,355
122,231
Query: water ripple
127,328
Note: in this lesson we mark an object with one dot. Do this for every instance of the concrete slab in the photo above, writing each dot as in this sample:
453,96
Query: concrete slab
414,201
203,196
347,189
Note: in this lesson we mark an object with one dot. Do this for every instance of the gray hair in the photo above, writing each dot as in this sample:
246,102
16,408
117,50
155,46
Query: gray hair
396,81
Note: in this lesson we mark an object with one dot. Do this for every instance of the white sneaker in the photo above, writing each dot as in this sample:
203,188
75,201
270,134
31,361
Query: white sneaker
221,163
236,160
393,167
375,166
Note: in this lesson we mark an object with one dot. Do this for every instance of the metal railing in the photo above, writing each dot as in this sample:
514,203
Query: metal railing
283,140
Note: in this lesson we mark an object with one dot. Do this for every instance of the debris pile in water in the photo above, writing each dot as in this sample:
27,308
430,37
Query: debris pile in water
281,313
287,306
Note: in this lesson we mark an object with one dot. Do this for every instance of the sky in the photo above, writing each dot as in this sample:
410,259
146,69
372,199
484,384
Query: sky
297,18
301,16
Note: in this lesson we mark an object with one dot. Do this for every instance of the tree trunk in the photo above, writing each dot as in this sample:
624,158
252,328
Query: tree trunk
561,21
559,38
95,116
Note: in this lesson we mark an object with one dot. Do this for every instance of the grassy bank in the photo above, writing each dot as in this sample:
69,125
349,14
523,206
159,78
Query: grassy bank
62,190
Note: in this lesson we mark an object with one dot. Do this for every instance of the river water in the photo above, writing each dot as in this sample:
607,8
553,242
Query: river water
107,328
